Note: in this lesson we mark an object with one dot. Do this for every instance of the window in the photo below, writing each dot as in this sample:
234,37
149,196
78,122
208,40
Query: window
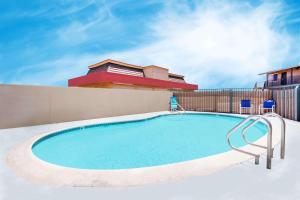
275,77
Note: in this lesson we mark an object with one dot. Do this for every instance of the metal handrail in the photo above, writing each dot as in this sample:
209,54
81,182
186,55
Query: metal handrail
283,130
283,127
269,139
244,131
181,107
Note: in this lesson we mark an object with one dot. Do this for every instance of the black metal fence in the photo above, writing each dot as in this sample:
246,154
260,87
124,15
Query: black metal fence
228,100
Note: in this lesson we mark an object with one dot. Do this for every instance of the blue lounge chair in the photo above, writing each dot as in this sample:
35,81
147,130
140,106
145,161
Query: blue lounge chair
246,104
268,104
173,103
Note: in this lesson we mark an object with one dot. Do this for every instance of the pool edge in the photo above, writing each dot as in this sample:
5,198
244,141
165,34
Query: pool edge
34,169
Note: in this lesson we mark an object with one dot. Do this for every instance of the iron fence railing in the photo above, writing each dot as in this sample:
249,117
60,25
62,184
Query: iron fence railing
228,100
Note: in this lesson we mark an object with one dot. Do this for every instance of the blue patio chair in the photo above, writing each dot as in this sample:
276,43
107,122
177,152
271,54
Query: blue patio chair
246,104
173,103
268,104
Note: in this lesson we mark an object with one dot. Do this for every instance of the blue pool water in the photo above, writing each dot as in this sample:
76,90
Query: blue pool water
161,140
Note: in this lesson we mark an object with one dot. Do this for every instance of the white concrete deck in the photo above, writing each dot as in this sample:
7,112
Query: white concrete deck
243,181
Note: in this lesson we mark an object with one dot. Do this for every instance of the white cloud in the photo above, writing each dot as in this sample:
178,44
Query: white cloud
70,7
51,10
53,72
223,44
215,45
82,30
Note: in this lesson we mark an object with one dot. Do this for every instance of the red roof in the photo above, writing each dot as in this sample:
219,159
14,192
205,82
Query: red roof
107,77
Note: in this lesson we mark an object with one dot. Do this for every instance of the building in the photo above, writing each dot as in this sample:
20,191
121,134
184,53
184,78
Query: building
286,76
115,74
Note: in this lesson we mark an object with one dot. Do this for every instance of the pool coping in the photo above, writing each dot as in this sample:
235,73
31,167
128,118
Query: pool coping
27,165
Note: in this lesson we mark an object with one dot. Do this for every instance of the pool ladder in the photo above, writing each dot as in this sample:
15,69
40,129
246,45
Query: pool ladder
269,147
182,109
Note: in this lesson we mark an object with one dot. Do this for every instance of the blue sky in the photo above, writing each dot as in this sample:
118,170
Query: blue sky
214,43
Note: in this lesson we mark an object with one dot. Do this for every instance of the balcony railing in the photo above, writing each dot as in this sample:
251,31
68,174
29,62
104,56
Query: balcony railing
290,81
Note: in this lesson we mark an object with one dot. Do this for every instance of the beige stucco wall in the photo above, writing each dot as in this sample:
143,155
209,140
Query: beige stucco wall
33,105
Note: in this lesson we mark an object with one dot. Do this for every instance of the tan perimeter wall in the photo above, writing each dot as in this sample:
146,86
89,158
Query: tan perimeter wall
33,105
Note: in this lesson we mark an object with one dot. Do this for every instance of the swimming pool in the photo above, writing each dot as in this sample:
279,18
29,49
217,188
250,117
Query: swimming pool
157,141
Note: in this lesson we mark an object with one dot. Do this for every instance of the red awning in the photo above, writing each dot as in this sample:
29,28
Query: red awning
107,77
